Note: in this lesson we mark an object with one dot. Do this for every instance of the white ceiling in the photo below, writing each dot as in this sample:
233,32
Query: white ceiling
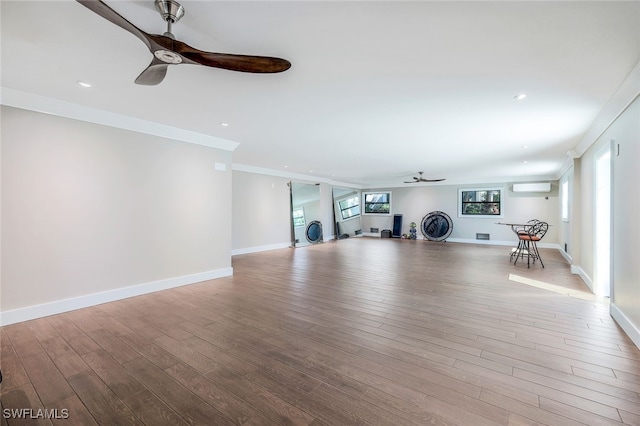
377,90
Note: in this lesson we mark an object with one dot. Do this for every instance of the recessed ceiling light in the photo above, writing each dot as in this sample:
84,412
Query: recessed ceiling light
525,161
520,97
84,84
524,147
224,124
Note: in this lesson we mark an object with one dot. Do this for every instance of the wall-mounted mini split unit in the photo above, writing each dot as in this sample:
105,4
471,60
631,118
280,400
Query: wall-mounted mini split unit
532,187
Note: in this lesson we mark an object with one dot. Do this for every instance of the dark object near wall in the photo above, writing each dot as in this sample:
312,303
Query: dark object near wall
397,226
314,232
386,233
436,226
341,236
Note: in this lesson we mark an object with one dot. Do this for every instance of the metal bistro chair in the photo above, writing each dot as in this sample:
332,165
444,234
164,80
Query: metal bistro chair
528,242
521,250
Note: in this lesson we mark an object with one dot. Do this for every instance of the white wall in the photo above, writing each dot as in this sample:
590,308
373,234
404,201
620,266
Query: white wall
261,212
625,302
91,214
414,202
261,215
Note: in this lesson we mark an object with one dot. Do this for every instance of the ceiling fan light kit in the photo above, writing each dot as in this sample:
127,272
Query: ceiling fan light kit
167,50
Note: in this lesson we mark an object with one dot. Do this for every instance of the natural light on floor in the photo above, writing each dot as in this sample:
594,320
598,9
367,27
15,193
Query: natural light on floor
558,289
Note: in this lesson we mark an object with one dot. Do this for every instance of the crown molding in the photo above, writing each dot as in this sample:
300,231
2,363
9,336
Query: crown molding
37,103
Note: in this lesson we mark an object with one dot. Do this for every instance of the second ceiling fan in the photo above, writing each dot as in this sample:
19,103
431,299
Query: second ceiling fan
167,50
418,179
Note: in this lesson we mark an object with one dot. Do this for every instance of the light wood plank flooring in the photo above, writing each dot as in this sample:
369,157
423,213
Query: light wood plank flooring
359,331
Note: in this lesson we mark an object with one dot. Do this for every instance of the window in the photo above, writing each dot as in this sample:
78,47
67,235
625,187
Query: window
377,203
564,193
485,202
298,217
349,207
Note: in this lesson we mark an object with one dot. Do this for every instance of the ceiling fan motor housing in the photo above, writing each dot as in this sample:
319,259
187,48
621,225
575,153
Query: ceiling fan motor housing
170,10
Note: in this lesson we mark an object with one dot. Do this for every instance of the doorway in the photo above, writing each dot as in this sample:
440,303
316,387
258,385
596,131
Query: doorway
602,221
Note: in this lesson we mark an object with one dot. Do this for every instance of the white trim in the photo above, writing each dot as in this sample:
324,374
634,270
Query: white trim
606,149
566,255
625,323
486,242
59,306
474,241
285,174
577,270
257,249
564,197
567,164
31,102
628,91
498,243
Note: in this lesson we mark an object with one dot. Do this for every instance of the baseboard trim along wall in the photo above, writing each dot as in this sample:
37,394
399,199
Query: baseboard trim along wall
567,256
474,241
59,306
587,280
632,331
260,248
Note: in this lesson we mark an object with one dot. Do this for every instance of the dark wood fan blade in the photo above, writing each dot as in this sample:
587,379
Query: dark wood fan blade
153,74
242,63
431,180
160,45
111,15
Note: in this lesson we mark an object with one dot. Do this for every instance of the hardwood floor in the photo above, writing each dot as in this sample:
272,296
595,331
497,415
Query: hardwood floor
360,331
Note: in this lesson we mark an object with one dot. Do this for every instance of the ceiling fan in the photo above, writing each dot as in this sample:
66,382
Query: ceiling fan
167,50
418,179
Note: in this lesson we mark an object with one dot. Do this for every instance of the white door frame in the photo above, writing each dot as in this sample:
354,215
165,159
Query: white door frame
600,247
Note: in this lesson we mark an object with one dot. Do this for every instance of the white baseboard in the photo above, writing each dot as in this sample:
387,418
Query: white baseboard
59,306
512,243
260,248
626,324
488,242
566,256
586,278
371,234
